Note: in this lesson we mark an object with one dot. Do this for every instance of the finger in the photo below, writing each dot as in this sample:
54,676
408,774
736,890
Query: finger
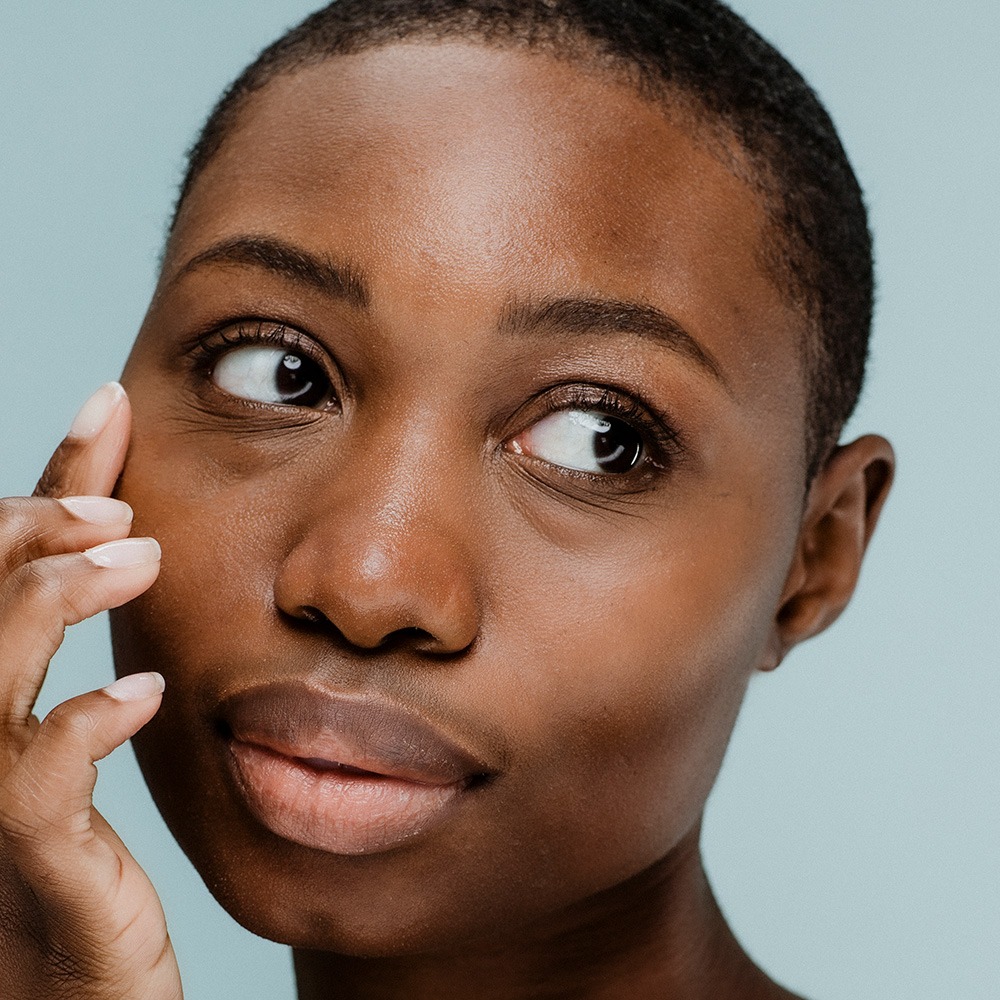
46,799
99,908
32,527
42,597
89,459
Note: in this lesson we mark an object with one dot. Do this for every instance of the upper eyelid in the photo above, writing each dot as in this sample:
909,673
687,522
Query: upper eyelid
665,446
255,331
618,402
587,395
205,350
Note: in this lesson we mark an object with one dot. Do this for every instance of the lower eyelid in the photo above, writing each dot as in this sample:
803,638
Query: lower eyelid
591,492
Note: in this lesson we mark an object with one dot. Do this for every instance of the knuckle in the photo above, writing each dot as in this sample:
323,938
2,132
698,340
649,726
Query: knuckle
18,525
51,585
75,603
40,582
70,722
51,482
19,729
47,485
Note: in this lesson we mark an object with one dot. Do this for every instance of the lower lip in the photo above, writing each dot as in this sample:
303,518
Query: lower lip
335,811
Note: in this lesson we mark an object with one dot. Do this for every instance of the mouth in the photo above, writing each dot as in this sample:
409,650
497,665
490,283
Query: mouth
342,774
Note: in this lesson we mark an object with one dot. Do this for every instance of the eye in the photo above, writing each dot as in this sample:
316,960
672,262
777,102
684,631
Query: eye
584,440
269,374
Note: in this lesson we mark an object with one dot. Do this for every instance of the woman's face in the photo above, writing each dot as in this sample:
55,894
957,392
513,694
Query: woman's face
470,424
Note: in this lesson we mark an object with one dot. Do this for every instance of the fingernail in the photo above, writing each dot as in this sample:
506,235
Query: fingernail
98,510
136,687
96,412
124,553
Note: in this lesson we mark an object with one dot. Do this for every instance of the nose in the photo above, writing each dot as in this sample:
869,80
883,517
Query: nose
382,559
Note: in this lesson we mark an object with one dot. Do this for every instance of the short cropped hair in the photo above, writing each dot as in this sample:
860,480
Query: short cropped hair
694,53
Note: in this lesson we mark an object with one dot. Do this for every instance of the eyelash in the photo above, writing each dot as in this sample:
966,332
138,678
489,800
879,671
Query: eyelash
207,349
663,443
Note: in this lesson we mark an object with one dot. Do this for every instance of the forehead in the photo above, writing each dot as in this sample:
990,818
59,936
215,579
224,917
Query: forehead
459,174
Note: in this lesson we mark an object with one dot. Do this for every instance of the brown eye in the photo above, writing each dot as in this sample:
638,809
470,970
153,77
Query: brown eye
583,440
268,374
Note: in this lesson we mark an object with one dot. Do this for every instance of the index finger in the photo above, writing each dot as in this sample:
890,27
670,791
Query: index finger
89,459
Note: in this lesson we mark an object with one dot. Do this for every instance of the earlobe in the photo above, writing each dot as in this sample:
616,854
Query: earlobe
841,512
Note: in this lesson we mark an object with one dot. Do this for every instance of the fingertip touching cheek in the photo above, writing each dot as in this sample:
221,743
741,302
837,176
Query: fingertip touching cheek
465,411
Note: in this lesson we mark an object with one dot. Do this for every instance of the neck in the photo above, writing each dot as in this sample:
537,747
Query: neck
658,934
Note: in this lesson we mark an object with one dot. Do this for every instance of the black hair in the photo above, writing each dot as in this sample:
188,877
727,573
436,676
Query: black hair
696,52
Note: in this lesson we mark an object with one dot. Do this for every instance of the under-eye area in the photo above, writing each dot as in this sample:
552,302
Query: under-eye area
573,436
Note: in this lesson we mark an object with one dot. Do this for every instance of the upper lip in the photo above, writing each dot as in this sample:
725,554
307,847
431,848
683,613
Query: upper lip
300,721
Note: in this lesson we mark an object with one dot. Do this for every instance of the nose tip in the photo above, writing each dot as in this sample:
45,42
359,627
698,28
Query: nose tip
415,592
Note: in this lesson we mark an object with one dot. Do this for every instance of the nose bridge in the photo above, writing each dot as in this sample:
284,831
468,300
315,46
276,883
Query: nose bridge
385,548
404,478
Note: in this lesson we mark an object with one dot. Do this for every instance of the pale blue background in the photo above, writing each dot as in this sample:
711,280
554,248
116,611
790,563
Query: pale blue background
853,837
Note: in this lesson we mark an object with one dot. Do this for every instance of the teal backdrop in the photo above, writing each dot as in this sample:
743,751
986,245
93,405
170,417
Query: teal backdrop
853,836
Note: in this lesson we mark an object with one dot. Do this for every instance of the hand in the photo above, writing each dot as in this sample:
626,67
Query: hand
78,916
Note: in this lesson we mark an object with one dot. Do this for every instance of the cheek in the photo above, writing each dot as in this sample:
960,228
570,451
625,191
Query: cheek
216,526
207,622
615,667
627,683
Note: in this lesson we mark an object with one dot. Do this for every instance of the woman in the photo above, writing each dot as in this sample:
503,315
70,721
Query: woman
486,414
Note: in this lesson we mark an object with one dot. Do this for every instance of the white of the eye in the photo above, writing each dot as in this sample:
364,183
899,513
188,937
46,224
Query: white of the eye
566,438
251,372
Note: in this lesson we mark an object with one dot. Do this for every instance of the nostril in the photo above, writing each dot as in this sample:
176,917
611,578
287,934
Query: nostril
408,637
314,615
307,618
420,641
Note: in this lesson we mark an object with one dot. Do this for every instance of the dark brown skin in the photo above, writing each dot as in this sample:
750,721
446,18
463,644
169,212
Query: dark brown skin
588,636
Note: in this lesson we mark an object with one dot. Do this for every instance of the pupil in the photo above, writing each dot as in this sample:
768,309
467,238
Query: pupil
618,448
299,381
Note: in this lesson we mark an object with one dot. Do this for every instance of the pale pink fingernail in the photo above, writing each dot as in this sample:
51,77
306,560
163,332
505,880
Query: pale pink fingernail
125,553
96,412
136,687
98,510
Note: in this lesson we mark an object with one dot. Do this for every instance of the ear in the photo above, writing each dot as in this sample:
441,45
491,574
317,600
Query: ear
841,511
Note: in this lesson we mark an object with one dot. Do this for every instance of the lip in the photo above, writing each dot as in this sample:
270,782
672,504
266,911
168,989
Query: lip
341,773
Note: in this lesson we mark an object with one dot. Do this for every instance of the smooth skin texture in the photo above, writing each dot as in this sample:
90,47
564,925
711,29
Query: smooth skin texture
468,243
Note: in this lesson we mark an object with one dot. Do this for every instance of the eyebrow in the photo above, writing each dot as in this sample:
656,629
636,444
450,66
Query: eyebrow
584,316
568,316
343,282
